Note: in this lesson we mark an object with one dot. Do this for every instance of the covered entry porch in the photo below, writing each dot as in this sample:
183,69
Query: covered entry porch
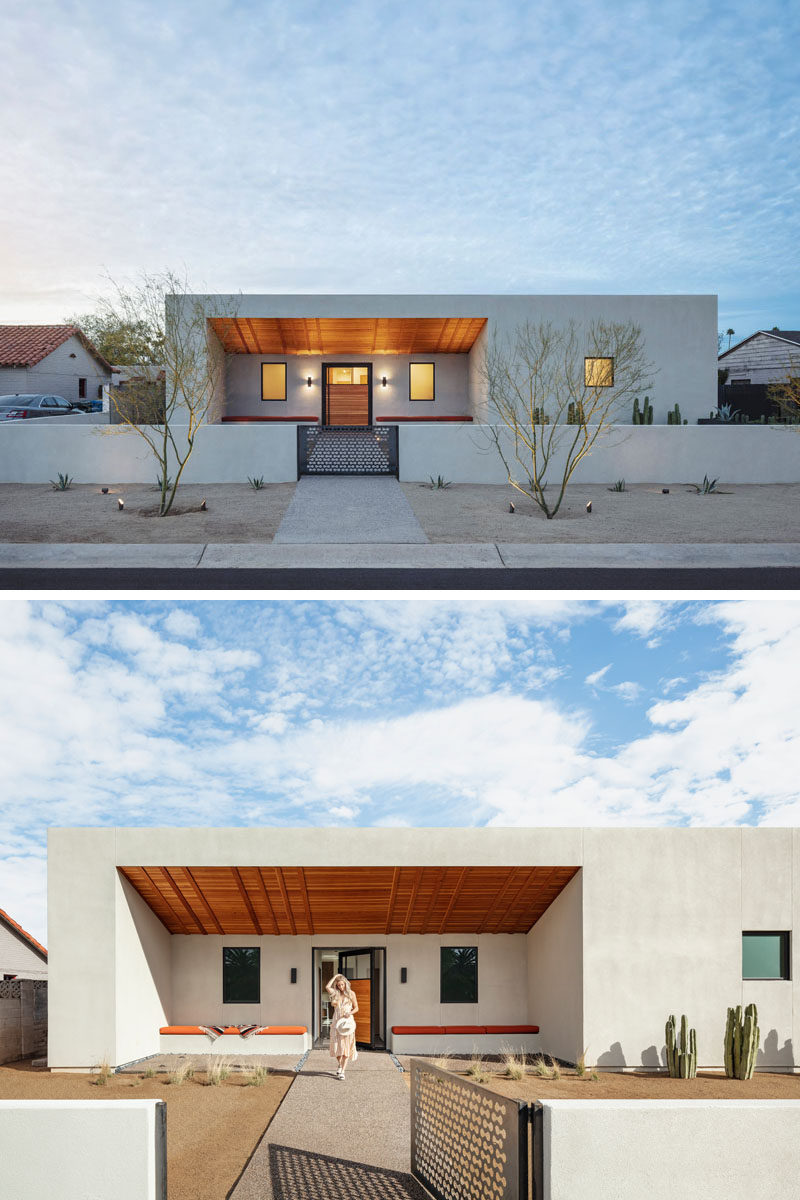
435,953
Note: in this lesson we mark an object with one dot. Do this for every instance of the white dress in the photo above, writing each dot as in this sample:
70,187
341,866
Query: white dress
342,1044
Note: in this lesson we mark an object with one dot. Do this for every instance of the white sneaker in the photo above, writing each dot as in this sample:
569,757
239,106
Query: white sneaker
340,1073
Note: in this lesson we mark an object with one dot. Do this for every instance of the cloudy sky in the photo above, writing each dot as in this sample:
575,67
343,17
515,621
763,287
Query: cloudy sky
442,146
391,709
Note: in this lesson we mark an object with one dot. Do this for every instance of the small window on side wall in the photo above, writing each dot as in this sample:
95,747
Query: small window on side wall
241,975
765,955
81,389
421,382
598,372
273,381
459,975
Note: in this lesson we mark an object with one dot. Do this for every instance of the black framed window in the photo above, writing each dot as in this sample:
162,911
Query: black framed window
81,389
598,372
765,955
241,975
459,975
422,381
273,381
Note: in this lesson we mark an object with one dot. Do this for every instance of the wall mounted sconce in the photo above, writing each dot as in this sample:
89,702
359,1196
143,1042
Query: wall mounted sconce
293,975
383,382
308,381
404,974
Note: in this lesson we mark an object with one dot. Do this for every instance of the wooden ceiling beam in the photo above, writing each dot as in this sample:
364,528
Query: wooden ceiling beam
179,920
267,902
285,897
248,903
306,901
412,898
511,878
182,899
432,906
209,910
392,899
459,884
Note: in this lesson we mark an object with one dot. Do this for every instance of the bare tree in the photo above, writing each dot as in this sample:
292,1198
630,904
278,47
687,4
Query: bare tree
785,392
167,403
553,391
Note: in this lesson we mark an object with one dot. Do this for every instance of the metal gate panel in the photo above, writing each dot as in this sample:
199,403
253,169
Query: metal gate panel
466,1142
346,450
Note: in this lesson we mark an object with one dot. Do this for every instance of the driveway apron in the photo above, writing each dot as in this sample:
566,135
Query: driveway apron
346,509
332,1139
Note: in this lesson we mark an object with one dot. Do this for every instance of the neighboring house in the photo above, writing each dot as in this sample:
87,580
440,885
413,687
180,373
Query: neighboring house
559,940
21,956
765,357
53,359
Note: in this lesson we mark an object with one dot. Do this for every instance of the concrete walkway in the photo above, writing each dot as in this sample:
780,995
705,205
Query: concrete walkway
258,555
348,509
334,1140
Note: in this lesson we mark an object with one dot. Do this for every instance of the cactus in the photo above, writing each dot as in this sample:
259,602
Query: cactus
644,415
540,417
741,1042
681,1056
674,416
575,414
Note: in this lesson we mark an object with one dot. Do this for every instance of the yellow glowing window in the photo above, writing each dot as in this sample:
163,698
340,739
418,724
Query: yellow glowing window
348,375
420,381
598,372
273,381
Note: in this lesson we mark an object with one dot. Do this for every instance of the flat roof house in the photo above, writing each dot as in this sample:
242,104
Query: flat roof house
562,940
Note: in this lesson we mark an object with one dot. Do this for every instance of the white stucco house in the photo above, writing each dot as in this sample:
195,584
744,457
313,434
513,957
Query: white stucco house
51,359
559,940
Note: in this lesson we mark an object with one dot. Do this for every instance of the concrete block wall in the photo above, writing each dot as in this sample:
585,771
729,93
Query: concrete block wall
23,1019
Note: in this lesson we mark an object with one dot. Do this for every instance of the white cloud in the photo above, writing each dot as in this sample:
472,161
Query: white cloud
182,624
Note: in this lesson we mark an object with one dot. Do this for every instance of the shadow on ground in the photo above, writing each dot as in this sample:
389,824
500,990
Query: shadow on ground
303,1175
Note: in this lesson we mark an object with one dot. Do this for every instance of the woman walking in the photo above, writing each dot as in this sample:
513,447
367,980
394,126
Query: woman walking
343,1025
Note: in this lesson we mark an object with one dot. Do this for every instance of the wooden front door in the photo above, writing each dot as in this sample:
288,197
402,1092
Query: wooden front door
347,395
356,966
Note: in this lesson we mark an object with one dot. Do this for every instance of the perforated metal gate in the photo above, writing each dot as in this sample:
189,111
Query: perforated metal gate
467,1143
346,450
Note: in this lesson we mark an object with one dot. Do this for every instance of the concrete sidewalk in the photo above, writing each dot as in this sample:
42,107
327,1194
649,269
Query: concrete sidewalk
337,1140
272,556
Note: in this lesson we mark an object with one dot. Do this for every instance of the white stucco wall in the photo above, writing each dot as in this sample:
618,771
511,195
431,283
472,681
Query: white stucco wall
243,386
717,1150
663,911
679,332
83,1149
555,973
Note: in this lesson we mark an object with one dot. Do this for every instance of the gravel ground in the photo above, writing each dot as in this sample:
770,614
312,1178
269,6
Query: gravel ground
211,1131
616,1085
472,512
236,513
464,512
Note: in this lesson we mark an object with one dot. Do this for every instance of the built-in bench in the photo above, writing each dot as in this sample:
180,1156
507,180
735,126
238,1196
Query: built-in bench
249,420
463,1039
421,418
273,1039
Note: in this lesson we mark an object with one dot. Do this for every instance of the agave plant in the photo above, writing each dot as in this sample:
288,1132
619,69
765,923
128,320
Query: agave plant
62,483
256,482
439,483
727,413
706,487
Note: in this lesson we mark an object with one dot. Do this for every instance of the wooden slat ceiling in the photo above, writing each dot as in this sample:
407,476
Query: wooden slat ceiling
347,335
348,900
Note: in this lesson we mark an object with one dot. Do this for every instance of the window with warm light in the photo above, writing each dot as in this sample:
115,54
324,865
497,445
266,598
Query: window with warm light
348,375
598,372
273,381
421,381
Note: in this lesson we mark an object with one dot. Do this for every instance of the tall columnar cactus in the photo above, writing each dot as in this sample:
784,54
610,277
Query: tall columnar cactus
681,1056
674,416
741,1042
644,415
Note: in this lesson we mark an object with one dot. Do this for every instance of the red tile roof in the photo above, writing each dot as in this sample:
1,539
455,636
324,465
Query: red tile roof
27,345
23,933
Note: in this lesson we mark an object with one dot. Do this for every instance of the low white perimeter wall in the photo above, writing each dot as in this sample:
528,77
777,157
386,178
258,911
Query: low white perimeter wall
627,1149
638,454
36,451
83,1149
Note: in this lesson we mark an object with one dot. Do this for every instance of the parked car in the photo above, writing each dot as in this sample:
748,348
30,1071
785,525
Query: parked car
32,404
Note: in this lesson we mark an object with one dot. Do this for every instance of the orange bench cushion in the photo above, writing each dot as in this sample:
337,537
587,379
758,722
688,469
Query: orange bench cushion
417,1029
512,1028
282,1029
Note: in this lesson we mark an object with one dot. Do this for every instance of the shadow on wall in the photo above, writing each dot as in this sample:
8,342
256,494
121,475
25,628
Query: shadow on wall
773,1055
613,1057
295,1173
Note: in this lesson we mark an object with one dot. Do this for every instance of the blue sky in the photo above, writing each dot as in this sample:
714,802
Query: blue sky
562,146
391,709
